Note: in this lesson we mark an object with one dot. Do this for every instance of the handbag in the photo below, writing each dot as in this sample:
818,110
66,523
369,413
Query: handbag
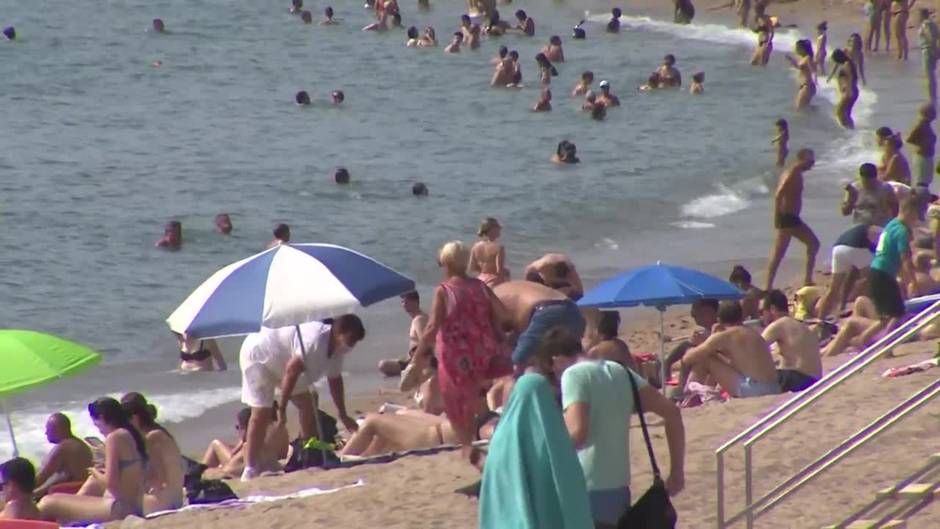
315,452
653,510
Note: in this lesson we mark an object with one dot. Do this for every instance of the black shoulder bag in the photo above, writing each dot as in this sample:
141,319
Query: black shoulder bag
653,510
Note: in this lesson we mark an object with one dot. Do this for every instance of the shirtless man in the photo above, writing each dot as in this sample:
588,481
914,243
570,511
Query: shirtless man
69,459
611,347
798,346
281,236
924,283
669,76
16,496
584,85
533,309
544,104
553,50
504,72
411,303
788,203
705,315
924,140
172,236
557,271
606,98
734,357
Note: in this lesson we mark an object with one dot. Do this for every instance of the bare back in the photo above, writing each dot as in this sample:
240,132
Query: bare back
789,197
797,344
484,257
75,457
747,352
520,297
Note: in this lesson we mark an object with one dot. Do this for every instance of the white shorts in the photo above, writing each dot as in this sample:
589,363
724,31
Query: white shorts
845,258
259,383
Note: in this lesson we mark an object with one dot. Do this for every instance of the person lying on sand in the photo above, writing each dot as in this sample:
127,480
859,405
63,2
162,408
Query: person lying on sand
227,460
797,345
69,459
409,430
734,357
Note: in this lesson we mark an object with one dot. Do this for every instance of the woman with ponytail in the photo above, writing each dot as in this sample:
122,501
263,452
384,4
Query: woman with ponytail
164,476
120,486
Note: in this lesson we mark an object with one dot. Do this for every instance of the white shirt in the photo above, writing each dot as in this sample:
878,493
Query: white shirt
273,348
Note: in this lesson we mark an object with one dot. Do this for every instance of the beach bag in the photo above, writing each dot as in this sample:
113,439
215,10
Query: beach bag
209,491
315,452
653,510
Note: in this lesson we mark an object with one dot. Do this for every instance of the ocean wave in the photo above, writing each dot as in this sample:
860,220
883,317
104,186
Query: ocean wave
724,202
693,225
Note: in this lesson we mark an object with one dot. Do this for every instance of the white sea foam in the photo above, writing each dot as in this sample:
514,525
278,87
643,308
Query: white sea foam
724,202
692,225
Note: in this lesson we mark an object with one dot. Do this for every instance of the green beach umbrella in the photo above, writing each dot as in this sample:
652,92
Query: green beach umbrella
31,359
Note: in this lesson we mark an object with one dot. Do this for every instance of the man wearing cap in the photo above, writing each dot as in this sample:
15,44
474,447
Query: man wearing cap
606,98
294,358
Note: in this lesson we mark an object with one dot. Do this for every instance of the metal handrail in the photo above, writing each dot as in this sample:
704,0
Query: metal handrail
906,509
801,401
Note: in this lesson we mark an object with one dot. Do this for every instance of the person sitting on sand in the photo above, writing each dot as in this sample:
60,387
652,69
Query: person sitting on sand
606,98
704,313
294,358
488,257
895,167
524,23
611,347
750,303
869,200
69,459
199,355
851,255
19,479
164,474
532,309
584,85
172,236
924,282
411,304
566,153
553,50
797,345
613,25
697,87
597,404
281,236
328,19
122,481
734,357
669,76
228,461
544,104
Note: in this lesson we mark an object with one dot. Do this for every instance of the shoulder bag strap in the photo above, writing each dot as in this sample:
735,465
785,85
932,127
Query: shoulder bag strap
646,435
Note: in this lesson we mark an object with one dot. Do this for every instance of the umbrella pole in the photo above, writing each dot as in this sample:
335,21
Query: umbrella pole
316,401
662,349
6,412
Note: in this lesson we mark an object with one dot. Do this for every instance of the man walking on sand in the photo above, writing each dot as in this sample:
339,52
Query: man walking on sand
930,47
788,203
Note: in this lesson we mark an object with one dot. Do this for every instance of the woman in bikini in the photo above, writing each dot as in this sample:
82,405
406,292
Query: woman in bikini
122,481
488,257
765,43
901,12
873,11
857,54
164,473
804,49
546,70
199,355
844,67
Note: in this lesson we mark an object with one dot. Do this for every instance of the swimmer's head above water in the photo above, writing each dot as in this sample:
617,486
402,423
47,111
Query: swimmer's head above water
296,6
419,189
338,97
158,25
503,52
698,77
521,15
9,33
578,32
465,20
341,176
882,135
307,17
412,33
669,60
302,98
282,232
223,223
172,236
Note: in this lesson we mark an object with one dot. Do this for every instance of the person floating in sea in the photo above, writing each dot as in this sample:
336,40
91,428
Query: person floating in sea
302,98
566,153
504,71
781,140
553,50
223,223
488,256
338,97
454,46
613,26
341,176
296,7
524,23
697,87
172,236
306,17
158,25
9,33
788,204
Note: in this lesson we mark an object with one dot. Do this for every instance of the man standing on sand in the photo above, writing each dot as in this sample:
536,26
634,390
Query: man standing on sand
411,302
800,365
930,47
532,309
788,203
69,459
735,357
557,271
283,357
924,140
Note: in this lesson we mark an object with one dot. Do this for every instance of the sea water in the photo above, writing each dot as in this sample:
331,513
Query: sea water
100,147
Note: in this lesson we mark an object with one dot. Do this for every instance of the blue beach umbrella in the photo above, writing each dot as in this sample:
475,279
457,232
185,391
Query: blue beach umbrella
285,286
658,286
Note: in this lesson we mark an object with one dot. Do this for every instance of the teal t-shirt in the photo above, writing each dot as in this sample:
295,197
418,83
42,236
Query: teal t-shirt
604,386
894,241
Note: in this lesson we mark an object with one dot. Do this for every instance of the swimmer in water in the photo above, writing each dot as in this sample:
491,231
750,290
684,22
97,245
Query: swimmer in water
765,43
396,20
158,25
546,70
803,62
281,236
429,39
524,23
465,23
544,104
306,17
652,83
328,17
606,98
822,39
454,46
613,26
501,54
669,76
380,25
296,7
697,87
302,98
553,50
504,71
413,37
584,85
475,32
844,68
578,32
419,189
590,101
781,140
424,5
9,33
599,112
516,80
338,97
495,27
855,51
341,176
223,223
172,236
566,153
488,256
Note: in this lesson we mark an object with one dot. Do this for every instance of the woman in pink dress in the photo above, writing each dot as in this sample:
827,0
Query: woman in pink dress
465,331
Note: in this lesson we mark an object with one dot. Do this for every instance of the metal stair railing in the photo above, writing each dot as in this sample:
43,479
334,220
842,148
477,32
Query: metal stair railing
800,402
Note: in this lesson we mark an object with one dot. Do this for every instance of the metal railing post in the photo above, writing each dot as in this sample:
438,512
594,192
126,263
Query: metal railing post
748,487
721,489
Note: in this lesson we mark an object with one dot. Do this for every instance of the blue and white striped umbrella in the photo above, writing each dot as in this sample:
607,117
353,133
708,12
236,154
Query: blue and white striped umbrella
286,285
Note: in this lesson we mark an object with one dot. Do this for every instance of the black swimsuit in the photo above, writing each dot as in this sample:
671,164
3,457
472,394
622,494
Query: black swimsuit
200,355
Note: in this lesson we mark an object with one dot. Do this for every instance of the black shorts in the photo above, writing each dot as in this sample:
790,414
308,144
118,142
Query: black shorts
791,380
886,294
785,221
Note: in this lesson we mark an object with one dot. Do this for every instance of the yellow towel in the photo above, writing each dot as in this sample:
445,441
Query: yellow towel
806,299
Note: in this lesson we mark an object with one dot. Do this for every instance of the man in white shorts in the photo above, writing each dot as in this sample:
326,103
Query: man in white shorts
293,360
853,250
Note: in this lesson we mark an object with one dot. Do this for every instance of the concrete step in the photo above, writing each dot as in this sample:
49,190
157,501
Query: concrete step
870,524
911,492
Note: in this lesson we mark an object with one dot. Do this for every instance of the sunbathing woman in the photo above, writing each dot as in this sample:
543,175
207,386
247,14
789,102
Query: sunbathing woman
807,70
122,479
228,461
488,257
164,472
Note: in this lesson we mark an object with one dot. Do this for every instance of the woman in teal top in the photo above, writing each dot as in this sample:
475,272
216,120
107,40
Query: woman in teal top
532,478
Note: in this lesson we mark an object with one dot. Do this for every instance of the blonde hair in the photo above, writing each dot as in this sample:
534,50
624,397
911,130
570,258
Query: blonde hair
455,256
488,224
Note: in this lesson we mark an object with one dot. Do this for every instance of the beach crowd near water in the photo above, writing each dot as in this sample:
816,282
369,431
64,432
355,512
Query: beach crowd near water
535,390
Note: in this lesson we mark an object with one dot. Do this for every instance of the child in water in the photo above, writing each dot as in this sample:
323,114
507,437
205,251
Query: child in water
651,84
821,40
698,84
488,257
781,140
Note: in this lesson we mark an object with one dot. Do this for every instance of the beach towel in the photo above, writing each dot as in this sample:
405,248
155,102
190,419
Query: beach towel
532,478
697,394
919,367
